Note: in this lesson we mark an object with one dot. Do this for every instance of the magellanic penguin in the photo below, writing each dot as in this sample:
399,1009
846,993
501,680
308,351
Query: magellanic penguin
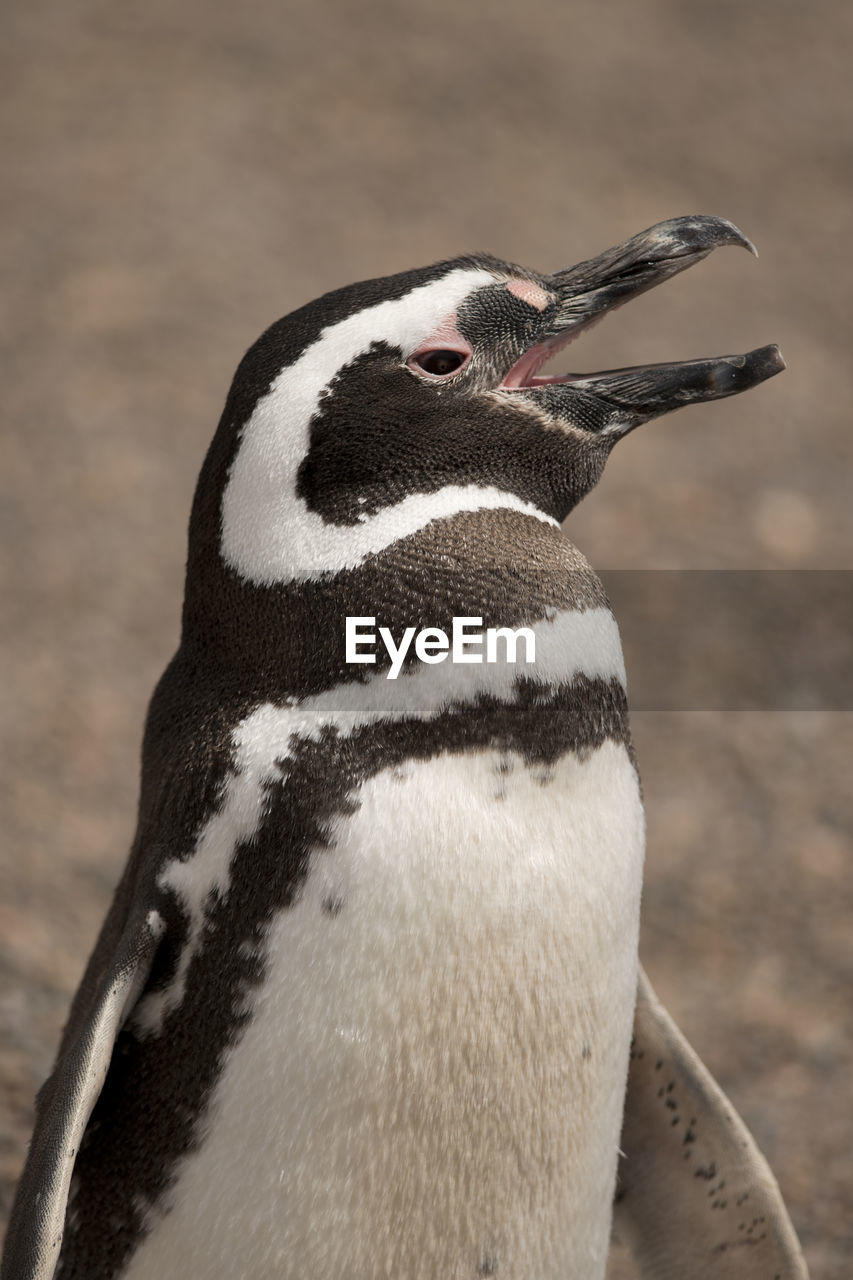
363,1004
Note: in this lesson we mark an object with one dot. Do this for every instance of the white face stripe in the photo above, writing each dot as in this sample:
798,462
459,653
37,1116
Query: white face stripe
568,644
268,533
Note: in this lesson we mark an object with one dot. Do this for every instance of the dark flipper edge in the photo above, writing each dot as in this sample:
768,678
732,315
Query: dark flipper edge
64,1106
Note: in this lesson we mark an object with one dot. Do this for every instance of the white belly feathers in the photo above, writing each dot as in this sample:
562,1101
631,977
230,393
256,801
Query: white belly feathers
432,1080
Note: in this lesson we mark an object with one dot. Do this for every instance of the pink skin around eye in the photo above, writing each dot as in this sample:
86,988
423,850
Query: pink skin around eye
445,338
448,338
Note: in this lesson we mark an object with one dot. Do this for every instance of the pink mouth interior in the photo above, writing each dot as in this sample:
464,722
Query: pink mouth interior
524,372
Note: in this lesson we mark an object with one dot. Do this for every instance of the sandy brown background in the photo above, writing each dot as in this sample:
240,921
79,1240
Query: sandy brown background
177,175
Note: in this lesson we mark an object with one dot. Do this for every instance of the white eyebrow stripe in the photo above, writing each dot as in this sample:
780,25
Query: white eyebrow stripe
268,533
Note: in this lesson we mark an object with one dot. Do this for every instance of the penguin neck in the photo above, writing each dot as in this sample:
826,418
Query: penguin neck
288,639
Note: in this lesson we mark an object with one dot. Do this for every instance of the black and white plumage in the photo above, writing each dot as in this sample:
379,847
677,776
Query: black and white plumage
363,1003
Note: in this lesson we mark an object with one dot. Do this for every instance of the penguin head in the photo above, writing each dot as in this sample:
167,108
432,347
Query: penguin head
389,404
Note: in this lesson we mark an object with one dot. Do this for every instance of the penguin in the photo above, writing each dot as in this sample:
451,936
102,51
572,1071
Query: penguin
367,1000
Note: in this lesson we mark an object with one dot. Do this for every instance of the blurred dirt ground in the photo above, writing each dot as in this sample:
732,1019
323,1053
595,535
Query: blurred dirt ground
176,177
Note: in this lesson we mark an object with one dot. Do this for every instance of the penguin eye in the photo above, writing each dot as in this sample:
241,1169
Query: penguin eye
440,363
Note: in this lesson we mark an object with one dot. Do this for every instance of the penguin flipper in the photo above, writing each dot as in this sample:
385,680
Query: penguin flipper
695,1197
65,1104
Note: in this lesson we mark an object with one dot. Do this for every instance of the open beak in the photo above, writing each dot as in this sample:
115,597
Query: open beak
617,400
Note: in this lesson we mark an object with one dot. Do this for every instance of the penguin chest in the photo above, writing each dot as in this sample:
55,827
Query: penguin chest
432,1077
